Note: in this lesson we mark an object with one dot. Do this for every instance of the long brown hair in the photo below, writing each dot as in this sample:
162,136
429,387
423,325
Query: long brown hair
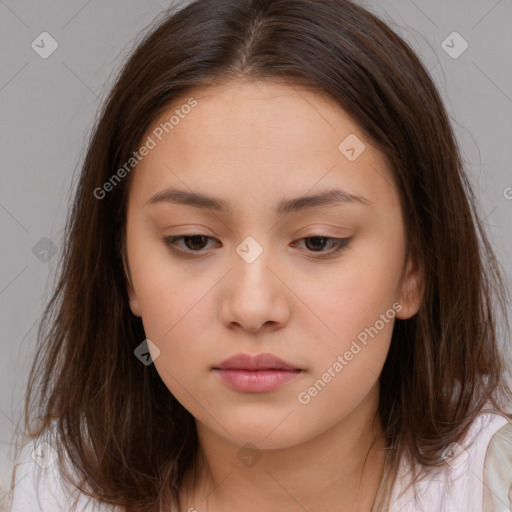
129,441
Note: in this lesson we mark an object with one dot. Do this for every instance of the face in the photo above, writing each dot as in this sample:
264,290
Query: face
250,270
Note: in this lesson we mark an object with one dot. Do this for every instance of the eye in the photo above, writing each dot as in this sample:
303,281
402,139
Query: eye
316,244
195,243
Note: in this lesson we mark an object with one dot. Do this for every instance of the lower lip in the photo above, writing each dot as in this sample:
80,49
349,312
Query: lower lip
256,381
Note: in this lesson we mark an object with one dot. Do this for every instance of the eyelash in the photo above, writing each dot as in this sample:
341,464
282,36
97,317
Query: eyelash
171,242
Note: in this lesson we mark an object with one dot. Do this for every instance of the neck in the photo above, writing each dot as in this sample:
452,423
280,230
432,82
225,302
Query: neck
339,469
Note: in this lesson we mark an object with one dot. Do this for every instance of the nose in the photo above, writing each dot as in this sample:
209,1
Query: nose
254,295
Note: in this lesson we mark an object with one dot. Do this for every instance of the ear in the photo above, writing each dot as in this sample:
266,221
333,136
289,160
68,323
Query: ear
411,289
132,296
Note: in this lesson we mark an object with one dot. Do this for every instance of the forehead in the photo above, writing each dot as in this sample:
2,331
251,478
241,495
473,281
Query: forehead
262,116
249,140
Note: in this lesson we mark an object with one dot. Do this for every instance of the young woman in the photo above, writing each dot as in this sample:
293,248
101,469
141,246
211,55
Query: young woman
276,293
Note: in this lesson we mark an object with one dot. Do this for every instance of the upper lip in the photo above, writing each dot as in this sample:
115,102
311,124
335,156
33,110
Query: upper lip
254,362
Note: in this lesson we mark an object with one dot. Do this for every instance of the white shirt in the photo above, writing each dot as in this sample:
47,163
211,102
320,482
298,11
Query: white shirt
477,476
481,472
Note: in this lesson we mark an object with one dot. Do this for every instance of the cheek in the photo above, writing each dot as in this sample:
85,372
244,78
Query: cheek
175,325
353,295
352,313
346,364
350,355
176,320
171,302
177,317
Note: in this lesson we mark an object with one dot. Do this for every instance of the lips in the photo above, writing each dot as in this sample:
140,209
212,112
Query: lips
258,362
256,374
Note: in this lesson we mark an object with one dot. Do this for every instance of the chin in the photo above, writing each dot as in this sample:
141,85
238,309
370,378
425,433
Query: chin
270,435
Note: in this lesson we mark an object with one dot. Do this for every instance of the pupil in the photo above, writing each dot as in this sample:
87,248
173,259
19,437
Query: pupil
196,240
322,238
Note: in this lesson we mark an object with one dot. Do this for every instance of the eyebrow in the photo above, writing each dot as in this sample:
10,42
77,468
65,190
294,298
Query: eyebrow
197,200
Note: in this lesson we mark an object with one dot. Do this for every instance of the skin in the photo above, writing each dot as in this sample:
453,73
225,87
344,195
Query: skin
254,144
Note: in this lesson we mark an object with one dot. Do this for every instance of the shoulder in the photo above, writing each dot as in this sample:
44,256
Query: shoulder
497,474
473,475
39,487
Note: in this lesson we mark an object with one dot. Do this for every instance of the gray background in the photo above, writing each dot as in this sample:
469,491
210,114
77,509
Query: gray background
48,106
